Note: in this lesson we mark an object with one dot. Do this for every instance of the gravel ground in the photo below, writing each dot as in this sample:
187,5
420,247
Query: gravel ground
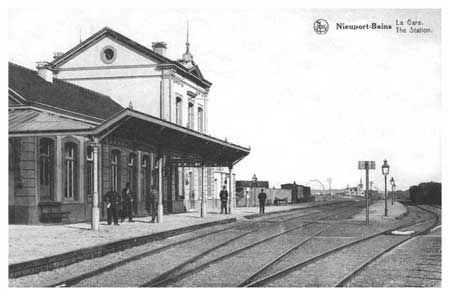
325,272
155,265
245,263
60,274
233,270
28,242
416,263
141,271
210,276
376,211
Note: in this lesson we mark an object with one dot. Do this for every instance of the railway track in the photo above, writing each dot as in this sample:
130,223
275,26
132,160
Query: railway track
176,274
284,217
296,272
229,243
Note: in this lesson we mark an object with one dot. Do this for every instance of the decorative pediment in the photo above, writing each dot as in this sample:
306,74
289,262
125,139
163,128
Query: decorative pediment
107,54
196,71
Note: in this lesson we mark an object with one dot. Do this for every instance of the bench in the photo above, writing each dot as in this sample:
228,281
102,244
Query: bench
51,212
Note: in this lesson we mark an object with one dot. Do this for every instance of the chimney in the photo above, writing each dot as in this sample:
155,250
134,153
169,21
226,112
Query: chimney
57,54
160,48
44,71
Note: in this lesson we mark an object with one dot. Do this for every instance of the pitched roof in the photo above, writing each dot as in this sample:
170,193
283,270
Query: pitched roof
181,69
60,94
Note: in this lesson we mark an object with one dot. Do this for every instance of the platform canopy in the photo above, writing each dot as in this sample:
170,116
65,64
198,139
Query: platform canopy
183,147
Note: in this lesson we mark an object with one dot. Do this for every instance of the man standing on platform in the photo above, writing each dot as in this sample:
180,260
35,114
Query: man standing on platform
262,201
112,200
127,200
223,200
153,203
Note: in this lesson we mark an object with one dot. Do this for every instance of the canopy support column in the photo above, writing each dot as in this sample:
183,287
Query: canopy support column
95,210
160,189
230,205
202,204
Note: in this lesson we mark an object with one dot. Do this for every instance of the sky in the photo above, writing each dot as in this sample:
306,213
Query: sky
310,106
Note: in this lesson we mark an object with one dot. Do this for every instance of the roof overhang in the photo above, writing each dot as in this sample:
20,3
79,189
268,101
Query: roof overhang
182,146
29,121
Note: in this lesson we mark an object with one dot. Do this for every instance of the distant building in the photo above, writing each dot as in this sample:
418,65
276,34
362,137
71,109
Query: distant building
247,192
299,193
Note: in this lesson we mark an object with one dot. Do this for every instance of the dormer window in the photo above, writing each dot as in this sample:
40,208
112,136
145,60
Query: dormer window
108,54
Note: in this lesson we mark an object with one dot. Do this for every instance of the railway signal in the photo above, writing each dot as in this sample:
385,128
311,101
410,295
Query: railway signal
366,165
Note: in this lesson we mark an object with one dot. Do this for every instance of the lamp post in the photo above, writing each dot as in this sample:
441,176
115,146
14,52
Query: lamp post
254,179
385,170
393,185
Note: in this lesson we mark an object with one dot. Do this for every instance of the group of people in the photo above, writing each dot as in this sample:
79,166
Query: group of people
121,206
224,201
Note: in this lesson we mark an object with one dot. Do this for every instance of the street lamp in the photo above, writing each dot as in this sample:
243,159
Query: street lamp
393,185
385,170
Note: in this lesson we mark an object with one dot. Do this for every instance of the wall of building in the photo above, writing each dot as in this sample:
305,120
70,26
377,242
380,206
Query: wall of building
134,77
23,194
279,193
152,90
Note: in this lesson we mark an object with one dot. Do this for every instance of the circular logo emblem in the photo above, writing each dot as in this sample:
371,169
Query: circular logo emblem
321,26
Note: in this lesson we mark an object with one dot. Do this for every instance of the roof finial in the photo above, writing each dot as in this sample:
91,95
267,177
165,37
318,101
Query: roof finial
187,58
187,37
130,105
81,40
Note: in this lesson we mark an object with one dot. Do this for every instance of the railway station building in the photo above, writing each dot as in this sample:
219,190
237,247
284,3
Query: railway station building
107,112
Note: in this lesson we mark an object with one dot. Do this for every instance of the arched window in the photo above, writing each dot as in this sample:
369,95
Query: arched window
200,119
115,170
190,115
46,168
178,111
70,171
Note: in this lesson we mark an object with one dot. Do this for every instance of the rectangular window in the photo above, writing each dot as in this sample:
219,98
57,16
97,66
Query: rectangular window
200,119
178,109
191,115
69,164
115,170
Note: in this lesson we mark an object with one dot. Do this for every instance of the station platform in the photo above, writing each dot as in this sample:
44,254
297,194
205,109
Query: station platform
376,212
31,242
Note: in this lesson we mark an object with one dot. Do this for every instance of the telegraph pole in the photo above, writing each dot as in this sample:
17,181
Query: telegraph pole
366,165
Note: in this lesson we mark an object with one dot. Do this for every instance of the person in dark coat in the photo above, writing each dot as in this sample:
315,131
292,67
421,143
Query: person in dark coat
112,199
153,203
262,201
127,203
223,200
